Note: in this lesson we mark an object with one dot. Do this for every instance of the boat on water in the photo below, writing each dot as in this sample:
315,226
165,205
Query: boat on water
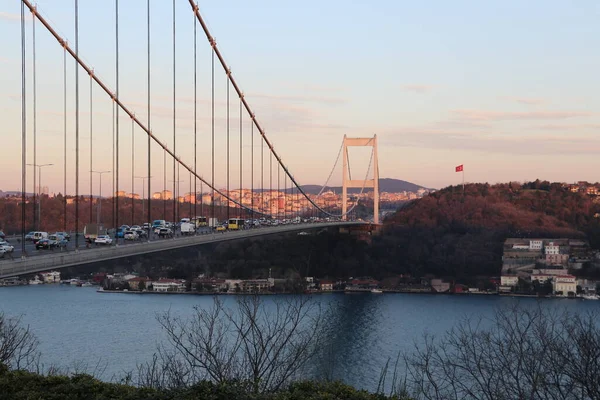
376,291
590,297
35,281
86,284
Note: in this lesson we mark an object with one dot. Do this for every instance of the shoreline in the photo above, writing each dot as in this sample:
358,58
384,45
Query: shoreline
388,291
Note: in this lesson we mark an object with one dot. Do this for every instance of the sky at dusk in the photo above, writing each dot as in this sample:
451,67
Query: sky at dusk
508,88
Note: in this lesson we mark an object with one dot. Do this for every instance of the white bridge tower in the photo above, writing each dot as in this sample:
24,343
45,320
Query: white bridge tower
353,183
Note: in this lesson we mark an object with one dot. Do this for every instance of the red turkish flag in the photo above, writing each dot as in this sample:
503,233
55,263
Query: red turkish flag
459,168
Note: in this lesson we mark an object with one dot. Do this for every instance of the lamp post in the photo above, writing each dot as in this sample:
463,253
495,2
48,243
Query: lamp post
143,178
39,189
99,208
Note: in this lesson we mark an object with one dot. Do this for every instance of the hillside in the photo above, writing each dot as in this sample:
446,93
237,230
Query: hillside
448,233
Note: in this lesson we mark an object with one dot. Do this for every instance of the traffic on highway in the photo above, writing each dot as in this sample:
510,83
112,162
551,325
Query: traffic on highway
38,243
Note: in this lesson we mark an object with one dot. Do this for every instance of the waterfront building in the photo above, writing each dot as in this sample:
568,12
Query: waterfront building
326,285
509,280
169,285
564,284
134,283
50,277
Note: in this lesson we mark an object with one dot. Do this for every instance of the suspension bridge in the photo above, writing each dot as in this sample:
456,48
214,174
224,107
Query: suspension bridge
229,163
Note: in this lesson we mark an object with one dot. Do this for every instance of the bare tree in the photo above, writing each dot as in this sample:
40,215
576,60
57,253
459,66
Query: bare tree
18,346
522,353
260,345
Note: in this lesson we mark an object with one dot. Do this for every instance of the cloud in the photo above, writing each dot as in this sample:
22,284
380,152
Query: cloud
418,88
507,143
527,100
567,127
482,115
299,99
6,16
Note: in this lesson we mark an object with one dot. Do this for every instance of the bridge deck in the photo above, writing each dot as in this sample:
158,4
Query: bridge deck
9,268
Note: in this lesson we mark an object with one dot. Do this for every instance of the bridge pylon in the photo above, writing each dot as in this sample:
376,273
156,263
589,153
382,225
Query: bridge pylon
354,183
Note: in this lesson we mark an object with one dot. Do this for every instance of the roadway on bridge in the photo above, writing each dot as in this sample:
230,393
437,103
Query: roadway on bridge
46,260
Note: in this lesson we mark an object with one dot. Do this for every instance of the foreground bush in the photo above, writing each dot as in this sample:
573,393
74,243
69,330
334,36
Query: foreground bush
17,385
518,353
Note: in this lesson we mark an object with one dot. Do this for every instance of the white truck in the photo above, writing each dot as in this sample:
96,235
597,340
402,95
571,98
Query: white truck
187,228
213,222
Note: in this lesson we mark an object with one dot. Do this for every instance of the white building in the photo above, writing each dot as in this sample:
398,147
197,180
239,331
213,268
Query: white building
509,280
169,285
50,277
564,284
535,244
551,248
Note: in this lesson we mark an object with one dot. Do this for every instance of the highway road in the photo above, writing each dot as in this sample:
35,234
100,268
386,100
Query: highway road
43,260
31,251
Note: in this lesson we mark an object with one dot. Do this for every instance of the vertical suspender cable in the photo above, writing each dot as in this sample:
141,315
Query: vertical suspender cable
132,173
64,138
262,176
241,164
195,122
174,116
278,188
149,141
284,196
114,173
212,159
227,143
76,125
36,224
164,195
23,130
117,111
91,151
252,170
271,183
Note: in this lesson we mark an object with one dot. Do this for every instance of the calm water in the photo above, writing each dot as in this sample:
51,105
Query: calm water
79,326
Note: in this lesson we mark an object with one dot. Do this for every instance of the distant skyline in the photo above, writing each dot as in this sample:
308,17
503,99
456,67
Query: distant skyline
508,89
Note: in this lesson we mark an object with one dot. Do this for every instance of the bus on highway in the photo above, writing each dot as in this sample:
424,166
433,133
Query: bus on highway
235,224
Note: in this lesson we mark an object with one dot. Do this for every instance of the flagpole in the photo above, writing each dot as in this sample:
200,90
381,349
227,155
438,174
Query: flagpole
463,178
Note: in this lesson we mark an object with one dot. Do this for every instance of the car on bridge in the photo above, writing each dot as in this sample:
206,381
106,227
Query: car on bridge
64,235
103,239
59,240
165,232
142,233
46,244
29,236
131,235
6,247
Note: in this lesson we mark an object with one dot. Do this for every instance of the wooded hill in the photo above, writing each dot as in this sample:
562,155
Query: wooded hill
449,233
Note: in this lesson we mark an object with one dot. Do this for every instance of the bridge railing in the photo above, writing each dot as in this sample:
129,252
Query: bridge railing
62,259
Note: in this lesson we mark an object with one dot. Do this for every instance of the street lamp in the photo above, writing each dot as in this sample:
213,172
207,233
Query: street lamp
143,178
99,208
39,166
